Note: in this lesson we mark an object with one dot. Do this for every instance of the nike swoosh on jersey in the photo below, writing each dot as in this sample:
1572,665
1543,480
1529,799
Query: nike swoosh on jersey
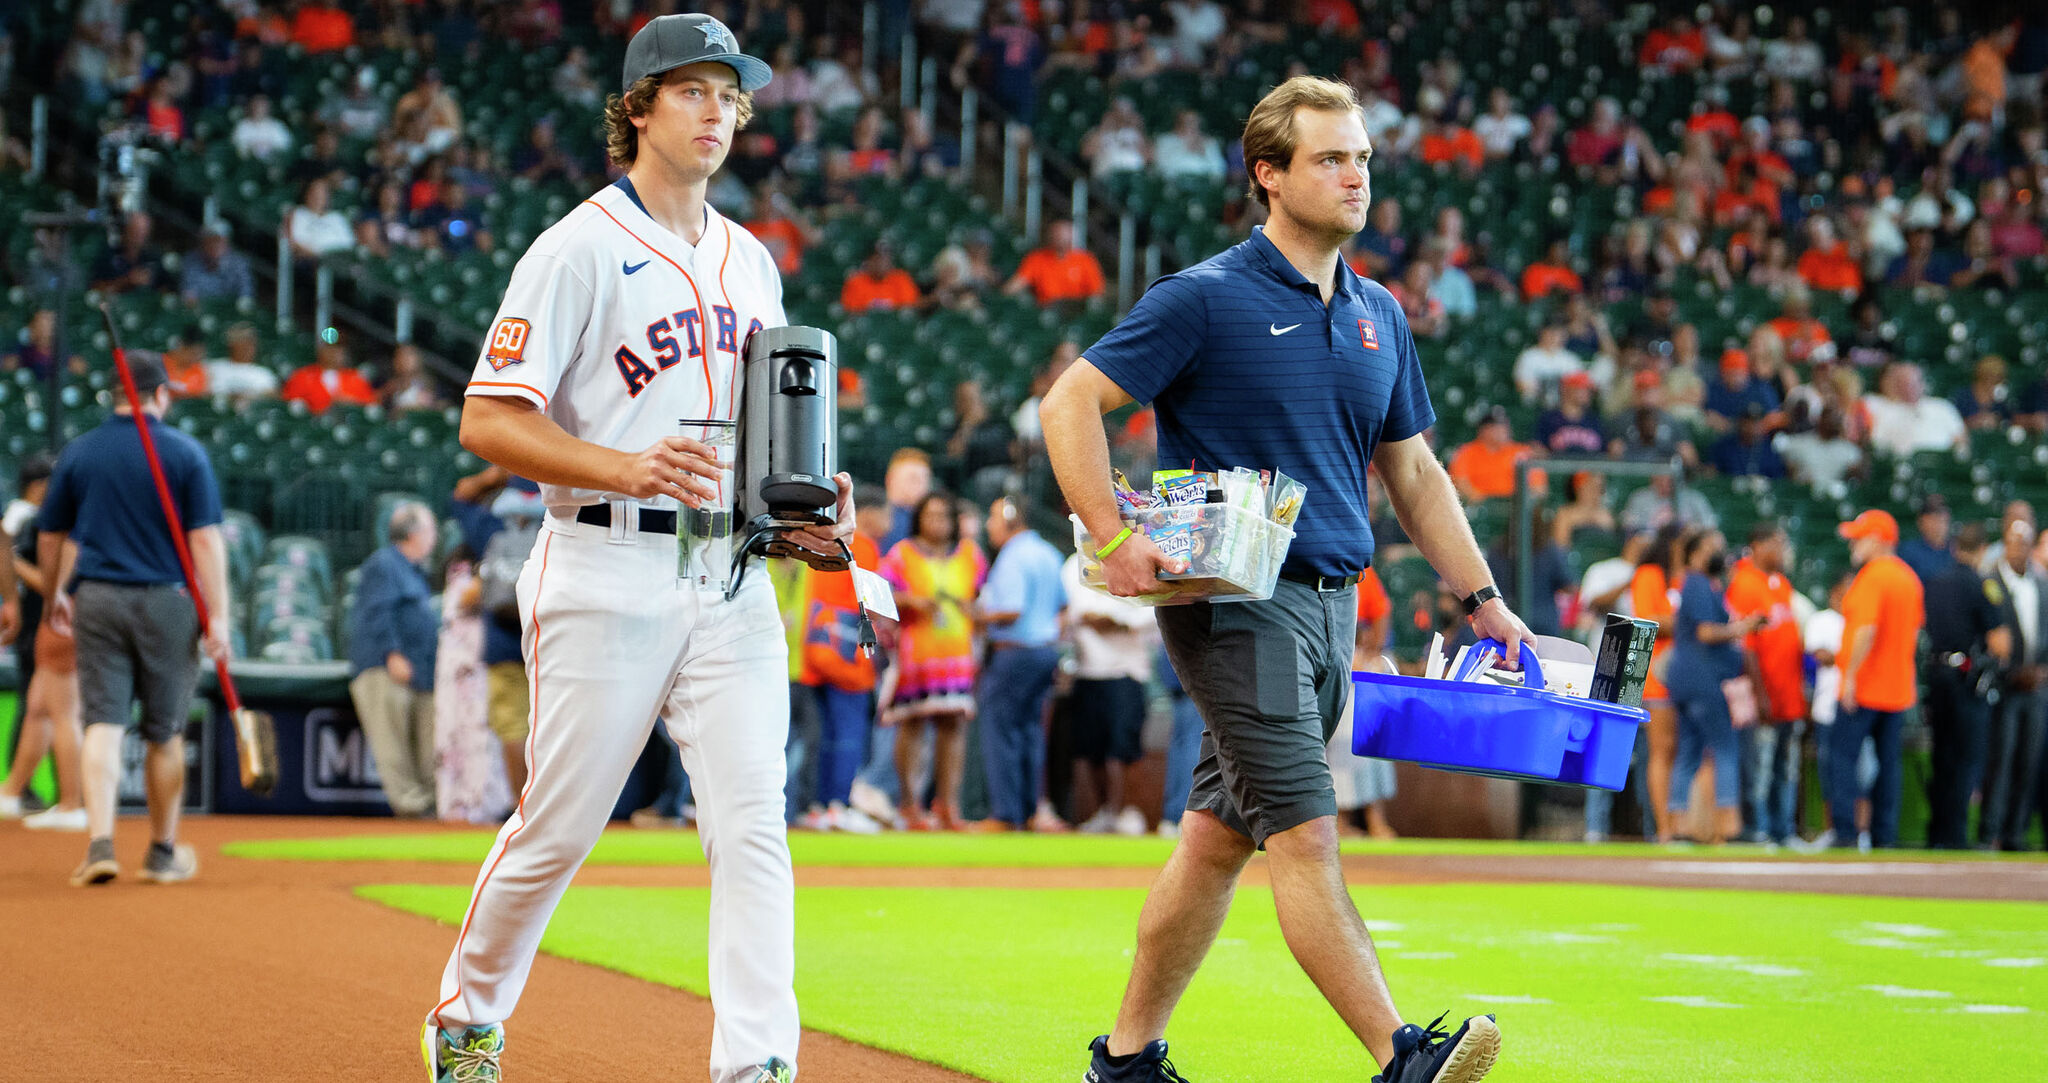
631,267
1278,330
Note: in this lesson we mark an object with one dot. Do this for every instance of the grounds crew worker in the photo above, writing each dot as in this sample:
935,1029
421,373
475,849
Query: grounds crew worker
1968,643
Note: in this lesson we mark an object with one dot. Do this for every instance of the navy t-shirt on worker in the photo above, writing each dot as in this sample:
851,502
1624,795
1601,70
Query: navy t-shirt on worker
101,493
1246,367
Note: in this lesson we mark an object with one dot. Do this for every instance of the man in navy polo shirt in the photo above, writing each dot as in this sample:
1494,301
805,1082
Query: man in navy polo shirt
1274,354
126,605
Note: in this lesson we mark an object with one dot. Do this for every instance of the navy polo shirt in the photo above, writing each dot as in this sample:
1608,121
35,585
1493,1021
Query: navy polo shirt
101,493
1246,366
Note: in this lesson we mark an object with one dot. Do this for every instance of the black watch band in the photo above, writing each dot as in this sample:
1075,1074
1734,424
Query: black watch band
1480,597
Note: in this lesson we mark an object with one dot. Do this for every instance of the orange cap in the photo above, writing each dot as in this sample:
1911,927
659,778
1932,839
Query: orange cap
1733,358
1580,379
1646,379
1872,524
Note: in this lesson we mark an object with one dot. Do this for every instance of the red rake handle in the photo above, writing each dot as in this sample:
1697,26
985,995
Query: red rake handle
170,507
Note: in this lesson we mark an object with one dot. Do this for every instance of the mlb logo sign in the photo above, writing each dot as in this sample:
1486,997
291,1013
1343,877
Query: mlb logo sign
1368,335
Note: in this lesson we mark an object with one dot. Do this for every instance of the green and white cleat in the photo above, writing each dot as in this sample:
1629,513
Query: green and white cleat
466,1056
776,1070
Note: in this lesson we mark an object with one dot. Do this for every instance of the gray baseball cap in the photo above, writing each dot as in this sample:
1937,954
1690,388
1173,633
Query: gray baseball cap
673,41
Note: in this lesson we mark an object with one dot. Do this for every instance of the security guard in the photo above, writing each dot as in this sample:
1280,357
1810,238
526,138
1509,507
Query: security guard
1970,644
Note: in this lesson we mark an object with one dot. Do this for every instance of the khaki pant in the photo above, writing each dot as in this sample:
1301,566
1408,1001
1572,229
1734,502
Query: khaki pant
399,724
509,701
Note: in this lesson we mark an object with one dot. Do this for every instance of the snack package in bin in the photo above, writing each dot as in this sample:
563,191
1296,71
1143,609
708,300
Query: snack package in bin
1232,554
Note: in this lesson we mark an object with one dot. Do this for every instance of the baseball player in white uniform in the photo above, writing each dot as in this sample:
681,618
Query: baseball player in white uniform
631,313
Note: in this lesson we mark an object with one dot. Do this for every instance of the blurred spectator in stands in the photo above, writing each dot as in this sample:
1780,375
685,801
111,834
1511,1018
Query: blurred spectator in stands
391,660
1572,428
215,271
868,157
258,134
1929,551
1828,264
573,83
1626,267
1445,142
1484,469
1030,434
1869,343
132,263
1551,273
314,227
240,376
1987,403
1019,611
1383,120
408,387
1588,334
1821,457
923,152
904,485
1685,388
1923,264
450,225
1732,396
779,226
1747,451
1187,151
879,284
1795,56
185,363
1118,144
430,111
1414,294
14,154
1501,129
1599,140
964,270
360,112
1539,367
980,439
1806,339
542,159
386,225
1059,270
1767,366
330,378
322,161
1982,265
1550,573
1014,53
838,84
161,115
937,572
1674,46
1905,419
1380,250
1650,434
2015,511
1664,501
1584,519
1197,26
322,27
2015,235
1451,290
37,352
2032,412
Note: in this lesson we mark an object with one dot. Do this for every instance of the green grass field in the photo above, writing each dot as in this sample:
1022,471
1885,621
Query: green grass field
1590,983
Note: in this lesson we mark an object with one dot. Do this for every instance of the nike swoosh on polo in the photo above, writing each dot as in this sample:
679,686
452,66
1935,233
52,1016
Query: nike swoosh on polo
631,267
1279,330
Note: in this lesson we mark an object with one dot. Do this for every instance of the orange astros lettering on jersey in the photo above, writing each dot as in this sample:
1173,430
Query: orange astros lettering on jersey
508,343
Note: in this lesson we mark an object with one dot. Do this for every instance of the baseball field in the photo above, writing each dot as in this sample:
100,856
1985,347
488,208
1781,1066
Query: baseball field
317,943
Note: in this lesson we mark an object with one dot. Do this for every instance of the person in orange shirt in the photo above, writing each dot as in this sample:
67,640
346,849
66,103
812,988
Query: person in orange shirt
1058,271
879,284
321,27
1827,264
783,232
1882,615
842,678
1777,656
185,364
1651,597
1485,468
329,379
1551,273
1806,339
1446,142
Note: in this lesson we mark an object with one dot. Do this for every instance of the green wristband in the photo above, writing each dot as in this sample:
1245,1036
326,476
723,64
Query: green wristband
1103,553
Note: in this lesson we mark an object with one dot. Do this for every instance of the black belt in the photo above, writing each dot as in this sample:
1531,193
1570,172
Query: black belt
652,520
1321,583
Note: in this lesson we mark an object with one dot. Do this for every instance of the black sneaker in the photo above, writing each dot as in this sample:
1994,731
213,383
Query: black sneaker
1431,1056
1149,1066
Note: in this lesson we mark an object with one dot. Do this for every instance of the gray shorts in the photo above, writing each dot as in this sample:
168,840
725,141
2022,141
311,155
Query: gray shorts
136,643
1271,680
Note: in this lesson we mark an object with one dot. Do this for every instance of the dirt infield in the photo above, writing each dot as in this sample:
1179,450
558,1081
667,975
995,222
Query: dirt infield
274,970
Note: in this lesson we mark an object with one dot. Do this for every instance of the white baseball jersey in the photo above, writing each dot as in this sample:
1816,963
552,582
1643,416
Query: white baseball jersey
618,328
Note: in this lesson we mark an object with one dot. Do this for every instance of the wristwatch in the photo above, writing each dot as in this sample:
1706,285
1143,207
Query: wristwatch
1480,597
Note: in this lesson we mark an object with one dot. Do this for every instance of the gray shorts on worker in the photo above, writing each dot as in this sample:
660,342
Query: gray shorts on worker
136,643
1270,679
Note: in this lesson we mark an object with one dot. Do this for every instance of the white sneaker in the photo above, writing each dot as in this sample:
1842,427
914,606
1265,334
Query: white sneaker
1167,829
815,819
1130,822
1102,823
56,819
10,808
1818,844
853,821
1863,842
872,801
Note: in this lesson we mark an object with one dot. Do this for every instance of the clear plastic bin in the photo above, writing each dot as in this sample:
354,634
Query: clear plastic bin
1233,555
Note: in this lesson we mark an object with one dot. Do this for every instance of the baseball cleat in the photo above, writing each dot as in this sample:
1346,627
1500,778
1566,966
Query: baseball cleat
1149,1065
173,866
776,1070
467,1056
1429,1055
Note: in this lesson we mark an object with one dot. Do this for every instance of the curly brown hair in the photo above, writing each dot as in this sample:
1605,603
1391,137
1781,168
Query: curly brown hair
622,139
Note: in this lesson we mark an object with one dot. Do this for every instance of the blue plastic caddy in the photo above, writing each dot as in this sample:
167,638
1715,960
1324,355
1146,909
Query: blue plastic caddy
1526,734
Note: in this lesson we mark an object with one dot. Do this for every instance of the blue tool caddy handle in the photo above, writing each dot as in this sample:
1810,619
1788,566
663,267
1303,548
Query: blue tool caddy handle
1531,665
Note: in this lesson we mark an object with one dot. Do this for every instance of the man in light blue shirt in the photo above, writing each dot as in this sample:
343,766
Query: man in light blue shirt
1020,607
